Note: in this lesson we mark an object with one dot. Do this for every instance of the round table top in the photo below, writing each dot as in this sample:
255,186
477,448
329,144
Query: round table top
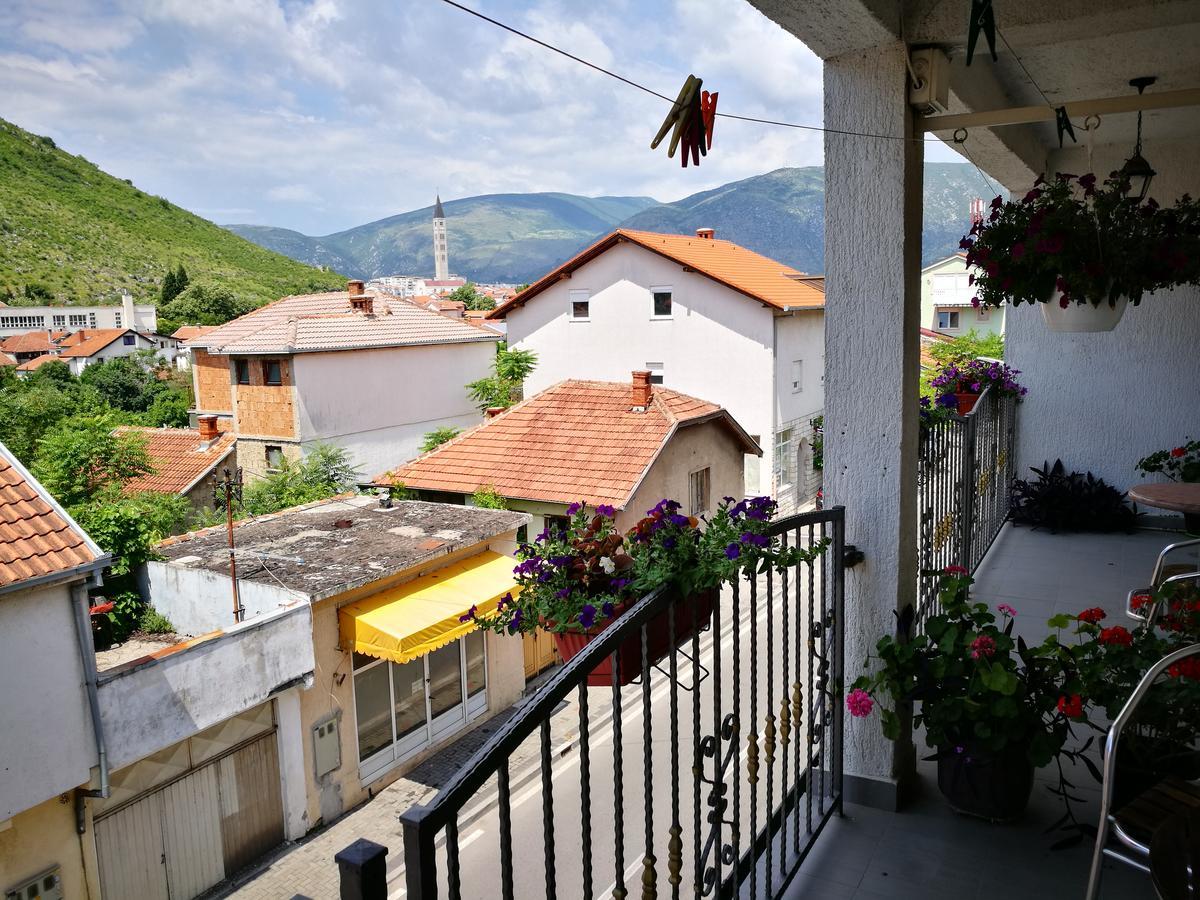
1176,495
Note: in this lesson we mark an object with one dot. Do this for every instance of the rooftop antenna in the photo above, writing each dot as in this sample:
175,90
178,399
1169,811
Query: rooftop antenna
225,492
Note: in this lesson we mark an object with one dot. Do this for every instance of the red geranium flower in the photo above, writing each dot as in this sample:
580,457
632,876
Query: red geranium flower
1093,615
1178,452
1071,707
954,570
1186,668
1118,634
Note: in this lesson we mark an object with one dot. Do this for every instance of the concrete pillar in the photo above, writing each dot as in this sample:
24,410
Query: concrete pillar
291,735
872,312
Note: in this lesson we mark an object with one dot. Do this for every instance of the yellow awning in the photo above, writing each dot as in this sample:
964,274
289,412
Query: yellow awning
418,617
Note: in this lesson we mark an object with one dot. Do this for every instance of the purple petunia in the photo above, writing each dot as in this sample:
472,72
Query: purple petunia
469,615
617,583
563,594
605,510
668,543
681,521
758,540
587,615
608,609
733,551
574,508
561,561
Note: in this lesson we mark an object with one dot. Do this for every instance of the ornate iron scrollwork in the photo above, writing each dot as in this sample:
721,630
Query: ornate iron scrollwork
720,748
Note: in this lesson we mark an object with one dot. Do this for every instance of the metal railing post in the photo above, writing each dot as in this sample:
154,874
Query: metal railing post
420,863
363,871
967,497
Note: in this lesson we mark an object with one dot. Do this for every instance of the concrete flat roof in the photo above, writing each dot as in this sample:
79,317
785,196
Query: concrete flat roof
332,546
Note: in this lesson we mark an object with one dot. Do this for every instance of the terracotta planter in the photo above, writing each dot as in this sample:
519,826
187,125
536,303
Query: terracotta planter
995,787
1081,318
966,402
629,652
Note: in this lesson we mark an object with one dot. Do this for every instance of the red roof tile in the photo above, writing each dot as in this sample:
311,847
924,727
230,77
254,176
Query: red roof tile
29,342
37,362
36,537
95,341
6,360
758,277
177,458
578,440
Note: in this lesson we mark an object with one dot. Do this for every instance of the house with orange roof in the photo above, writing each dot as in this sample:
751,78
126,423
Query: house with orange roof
706,317
623,444
367,372
946,306
87,347
27,346
184,459
50,744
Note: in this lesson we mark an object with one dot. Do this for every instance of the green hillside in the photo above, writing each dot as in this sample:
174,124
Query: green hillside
71,233
495,237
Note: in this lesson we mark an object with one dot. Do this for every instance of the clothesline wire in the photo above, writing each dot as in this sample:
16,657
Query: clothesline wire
654,93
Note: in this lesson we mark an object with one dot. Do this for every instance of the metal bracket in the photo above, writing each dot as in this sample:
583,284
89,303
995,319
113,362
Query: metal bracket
851,556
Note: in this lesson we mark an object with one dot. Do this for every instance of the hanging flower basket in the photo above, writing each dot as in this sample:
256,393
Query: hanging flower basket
966,402
1083,318
692,614
1081,250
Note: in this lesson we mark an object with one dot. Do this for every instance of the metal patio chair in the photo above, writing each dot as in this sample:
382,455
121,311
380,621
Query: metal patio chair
1125,834
1175,560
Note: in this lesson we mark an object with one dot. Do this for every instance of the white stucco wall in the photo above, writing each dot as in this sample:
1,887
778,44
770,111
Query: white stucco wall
717,346
198,601
47,745
1101,402
153,705
379,404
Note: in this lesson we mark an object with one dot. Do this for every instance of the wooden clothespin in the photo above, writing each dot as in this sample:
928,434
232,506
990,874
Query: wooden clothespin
690,122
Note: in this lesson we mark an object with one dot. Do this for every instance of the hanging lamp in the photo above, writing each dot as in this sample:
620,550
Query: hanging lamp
1137,171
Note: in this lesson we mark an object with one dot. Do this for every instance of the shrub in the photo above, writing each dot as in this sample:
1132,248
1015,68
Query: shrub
1074,501
486,497
154,622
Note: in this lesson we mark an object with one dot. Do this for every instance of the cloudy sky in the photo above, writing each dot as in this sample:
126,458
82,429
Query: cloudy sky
323,114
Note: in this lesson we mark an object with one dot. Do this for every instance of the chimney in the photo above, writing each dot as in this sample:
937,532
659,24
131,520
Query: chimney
705,234
363,303
493,411
641,391
355,288
128,313
208,428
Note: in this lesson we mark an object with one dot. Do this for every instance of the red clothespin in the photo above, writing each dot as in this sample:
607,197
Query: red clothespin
708,104
691,117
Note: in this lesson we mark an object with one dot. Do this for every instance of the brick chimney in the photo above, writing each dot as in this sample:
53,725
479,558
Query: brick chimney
706,234
362,303
493,411
641,391
355,288
208,428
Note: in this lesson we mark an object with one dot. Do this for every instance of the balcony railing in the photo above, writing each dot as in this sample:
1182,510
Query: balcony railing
964,474
713,774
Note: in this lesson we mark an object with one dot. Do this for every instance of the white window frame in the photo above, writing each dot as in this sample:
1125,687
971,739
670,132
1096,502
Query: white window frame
657,372
797,376
662,289
579,296
952,320
396,752
700,479
782,462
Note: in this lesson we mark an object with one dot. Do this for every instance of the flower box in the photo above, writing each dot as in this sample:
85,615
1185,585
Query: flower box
966,402
629,652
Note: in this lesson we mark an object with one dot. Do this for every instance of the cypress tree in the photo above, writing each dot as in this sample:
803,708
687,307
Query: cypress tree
169,287
181,279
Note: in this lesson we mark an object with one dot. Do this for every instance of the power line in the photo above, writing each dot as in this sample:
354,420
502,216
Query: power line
654,93
1021,63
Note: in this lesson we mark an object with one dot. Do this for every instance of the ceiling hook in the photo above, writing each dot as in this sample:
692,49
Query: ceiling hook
960,136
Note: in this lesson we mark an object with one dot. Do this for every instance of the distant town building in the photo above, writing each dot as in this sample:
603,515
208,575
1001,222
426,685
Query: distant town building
441,253
946,293
707,318
16,320
184,460
80,349
370,373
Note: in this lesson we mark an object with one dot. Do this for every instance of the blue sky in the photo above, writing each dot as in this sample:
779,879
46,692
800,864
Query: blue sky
323,114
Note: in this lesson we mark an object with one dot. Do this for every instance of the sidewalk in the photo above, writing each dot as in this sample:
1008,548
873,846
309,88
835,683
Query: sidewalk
305,870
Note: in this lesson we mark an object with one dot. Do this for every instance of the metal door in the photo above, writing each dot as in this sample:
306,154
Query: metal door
191,827
129,847
251,803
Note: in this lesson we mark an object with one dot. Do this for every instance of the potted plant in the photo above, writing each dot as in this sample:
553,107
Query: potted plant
959,386
1108,661
575,583
1082,251
1180,463
989,705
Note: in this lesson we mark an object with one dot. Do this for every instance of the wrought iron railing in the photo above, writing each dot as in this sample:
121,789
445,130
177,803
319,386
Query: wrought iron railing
711,776
964,474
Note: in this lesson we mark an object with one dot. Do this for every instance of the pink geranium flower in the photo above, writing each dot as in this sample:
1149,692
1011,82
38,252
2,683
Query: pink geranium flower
1006,609
982,646
859,703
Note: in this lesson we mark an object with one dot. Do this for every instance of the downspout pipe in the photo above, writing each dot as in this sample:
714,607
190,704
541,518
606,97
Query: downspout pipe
87,655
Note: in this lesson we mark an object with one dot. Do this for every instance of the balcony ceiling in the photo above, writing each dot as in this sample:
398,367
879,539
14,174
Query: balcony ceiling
1074,50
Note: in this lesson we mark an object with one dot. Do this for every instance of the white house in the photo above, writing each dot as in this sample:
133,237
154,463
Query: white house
18,320
706,317
946,294
370,373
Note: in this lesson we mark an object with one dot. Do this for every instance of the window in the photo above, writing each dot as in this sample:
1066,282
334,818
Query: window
784,464
557,525
981,312
797,376
274,457
77,321
128,340
241,369
656,372
947,319
580,306
661,303
752,470
698,491
60,321
272,372
22,321
117,319
91,320
523,534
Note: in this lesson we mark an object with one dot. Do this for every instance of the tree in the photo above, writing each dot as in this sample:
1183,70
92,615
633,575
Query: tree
966,347
437,437
30,407
144,385
472,298
486,497
83,457
324,472
169,288
504,387
181,280
200,304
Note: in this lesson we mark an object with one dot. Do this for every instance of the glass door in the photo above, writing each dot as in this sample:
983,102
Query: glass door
445,689
408,702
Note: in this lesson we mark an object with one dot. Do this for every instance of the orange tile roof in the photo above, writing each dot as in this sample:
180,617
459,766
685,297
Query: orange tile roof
37,362
29,342
326,322
37,538
187,332
177,458
577,440
6,360
752,274
97,339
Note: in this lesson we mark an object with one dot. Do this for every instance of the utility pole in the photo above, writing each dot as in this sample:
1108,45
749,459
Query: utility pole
225,492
